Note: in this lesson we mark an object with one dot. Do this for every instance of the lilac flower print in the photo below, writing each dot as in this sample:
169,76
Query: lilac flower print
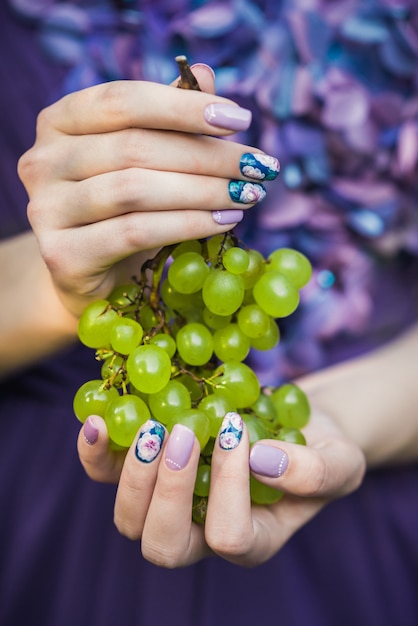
149,442
259,166
231,431
246,193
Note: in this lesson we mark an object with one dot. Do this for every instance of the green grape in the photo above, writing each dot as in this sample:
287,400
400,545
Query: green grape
92,399
166,342
169,401
192,385
149,368
113,370
264,408
202,483
135,392
223,292
255,268
292,406
270,339
199,509
124,416
239,382
216,406
95,324
230,343
256,427
292,264
216,244
180,302
275,294
236,260
124,296
194,344
215,321
126,334
263,494
187,246
253,321
292,435
148,318
188,272
196,420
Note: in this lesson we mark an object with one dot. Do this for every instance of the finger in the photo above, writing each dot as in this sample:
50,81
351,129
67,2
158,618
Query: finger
94,248
87,156
138,478
101,462
228,527
170,538
332,469
124,104
117,193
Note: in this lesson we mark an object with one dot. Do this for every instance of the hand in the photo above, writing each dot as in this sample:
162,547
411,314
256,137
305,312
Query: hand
123,168
154,501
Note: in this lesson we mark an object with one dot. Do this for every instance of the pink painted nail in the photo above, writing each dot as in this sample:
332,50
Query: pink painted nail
268,460
228,116
179,447
90,431
228,216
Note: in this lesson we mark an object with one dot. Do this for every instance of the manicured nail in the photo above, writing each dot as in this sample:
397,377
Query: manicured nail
179,447
228,116
150,441
259,166
268,461
90,431
228,216
246,193
231,431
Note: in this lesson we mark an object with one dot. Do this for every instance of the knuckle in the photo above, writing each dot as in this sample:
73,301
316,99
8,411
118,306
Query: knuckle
133,232
113,99
127,528
226,543
318,473
161,556
136,146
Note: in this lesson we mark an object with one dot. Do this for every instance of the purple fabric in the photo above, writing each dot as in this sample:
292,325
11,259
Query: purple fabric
62,562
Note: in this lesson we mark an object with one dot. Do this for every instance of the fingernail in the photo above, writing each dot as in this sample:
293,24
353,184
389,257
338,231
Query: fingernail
90,431
246,193
150,441
231,431
228,116
228,216
204,66
179,447
268,461
259,166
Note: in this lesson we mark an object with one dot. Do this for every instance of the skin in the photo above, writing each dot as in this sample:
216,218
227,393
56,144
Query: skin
116,172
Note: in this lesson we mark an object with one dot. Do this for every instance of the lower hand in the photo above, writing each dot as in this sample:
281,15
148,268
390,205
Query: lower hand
154,501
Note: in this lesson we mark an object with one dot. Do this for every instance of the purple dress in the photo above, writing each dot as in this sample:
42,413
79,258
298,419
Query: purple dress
62,561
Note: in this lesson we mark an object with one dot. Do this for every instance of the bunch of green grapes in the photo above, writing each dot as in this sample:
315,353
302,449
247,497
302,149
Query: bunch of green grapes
173,345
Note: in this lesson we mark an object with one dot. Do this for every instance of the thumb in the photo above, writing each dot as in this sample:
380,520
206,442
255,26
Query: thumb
331,467
101,463
204,75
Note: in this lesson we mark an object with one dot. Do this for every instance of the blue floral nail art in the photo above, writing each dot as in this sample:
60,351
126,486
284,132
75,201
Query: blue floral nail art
231,431
150,441
246,193
259,166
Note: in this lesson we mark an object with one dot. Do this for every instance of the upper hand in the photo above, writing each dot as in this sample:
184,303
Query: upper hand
120,169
